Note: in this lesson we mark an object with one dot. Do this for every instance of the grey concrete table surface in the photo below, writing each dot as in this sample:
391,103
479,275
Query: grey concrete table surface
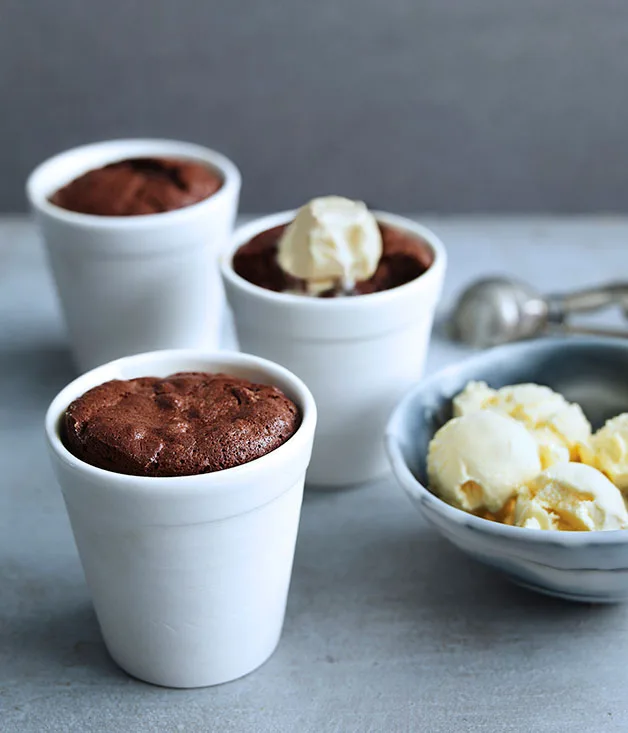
388,628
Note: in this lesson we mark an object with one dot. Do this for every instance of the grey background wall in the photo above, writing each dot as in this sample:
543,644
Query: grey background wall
412,105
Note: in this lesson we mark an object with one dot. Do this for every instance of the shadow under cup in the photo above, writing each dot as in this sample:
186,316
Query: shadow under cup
358,355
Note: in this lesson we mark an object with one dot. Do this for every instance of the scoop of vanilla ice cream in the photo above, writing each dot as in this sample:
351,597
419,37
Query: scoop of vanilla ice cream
477,461
571,496
473,398
331,241
608,451
560,428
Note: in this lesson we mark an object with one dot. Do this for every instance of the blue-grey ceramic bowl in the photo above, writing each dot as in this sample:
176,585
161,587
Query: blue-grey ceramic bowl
580,566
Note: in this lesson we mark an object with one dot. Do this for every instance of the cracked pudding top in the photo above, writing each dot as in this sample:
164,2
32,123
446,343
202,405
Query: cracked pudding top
139,186
185,424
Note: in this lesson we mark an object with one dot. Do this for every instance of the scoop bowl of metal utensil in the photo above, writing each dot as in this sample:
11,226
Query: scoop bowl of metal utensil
498,310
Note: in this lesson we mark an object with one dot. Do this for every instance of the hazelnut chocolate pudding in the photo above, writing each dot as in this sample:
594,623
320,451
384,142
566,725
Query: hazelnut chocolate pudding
185,424
334,247
139,186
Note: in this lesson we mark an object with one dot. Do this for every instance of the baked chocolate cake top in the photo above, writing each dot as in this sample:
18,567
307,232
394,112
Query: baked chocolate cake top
185,424
404,257
139,186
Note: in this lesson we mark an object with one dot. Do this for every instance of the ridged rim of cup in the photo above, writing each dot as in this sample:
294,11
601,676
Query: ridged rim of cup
246,232
456,516
163,148
88,380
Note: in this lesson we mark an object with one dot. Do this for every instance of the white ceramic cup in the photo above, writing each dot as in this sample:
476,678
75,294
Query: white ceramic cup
129,284
189,575
358,355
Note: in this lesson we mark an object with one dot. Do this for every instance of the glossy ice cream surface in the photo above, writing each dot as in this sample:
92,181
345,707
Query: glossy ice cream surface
608,451
534,476
559,427
476,462
571,496
331,241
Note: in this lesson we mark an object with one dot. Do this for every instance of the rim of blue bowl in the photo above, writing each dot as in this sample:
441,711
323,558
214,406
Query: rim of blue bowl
416,489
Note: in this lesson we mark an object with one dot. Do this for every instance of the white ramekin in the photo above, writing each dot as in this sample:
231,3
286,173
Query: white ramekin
358,355
129,284
189,575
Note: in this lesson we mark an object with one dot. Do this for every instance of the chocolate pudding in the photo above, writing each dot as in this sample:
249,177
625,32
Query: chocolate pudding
139,186
404,258
188,423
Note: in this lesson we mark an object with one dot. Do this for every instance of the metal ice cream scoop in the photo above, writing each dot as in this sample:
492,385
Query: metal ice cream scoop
497,310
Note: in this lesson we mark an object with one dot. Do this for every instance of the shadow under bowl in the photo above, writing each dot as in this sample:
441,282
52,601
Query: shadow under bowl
582,566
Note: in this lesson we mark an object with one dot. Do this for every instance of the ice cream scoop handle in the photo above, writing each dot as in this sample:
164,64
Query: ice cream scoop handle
588,300
593,331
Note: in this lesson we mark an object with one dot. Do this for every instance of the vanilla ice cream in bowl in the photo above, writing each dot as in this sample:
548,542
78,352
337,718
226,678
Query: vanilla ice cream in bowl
519,457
